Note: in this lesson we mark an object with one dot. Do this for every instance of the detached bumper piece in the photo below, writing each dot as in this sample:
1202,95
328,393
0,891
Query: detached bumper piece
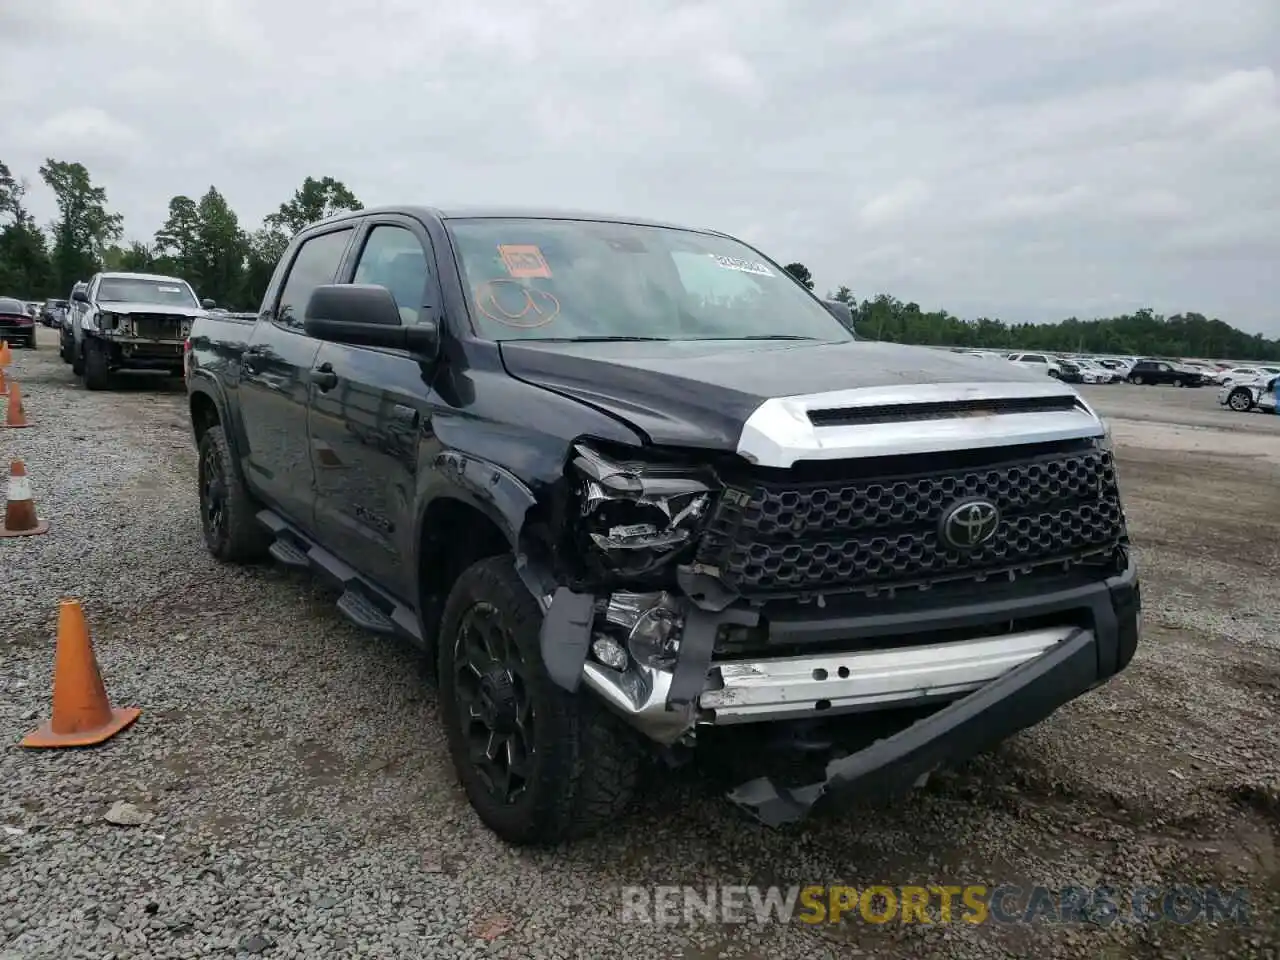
1020,698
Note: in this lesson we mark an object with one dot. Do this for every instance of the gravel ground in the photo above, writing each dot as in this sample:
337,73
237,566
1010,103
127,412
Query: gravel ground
300,801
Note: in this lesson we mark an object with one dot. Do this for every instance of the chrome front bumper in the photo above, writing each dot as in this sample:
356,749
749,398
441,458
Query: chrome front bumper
747,691
793,687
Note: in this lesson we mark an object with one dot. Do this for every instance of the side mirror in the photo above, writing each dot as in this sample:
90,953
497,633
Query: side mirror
80,296
208,304
365,314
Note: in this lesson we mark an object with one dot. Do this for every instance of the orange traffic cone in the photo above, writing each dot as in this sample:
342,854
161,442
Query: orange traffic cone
6,356
20,518
82,714
16,416
2,386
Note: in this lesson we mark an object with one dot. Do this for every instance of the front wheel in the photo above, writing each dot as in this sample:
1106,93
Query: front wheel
538,764
97,370
1240,401
1136,380
1177,381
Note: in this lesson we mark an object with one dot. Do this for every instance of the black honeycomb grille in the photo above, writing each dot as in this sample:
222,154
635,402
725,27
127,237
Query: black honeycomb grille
787,538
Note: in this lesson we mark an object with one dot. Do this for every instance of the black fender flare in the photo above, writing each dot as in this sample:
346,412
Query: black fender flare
506,500
204,384
495,492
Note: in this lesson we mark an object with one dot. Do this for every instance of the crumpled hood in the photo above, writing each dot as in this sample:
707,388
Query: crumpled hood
699,393
132,306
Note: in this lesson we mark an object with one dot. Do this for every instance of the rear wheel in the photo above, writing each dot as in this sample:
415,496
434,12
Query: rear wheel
1240,400
227,511
538,764
1136,379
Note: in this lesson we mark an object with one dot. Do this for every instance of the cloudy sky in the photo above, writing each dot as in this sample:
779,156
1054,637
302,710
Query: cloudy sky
1029,159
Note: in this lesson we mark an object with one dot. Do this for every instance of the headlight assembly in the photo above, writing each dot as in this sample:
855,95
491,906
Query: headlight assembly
636,515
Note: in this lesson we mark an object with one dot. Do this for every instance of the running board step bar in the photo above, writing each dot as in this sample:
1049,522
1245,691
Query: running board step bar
363,612
362,602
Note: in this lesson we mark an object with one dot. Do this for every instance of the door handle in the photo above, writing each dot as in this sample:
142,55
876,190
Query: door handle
251,360
324,378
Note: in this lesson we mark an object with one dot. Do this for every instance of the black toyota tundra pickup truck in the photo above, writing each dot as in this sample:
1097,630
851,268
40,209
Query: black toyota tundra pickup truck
634,488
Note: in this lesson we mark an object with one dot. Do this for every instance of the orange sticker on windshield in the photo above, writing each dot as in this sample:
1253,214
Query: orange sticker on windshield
524,261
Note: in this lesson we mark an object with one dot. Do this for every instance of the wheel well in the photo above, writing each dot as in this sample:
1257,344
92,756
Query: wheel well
454,536
204,414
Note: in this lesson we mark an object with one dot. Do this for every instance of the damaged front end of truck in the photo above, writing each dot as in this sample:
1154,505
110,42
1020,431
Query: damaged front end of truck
824,603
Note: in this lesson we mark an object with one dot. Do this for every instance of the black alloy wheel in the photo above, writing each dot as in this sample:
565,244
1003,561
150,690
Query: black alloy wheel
495,710
213,497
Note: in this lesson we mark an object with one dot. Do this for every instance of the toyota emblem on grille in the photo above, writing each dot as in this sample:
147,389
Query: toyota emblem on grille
969,524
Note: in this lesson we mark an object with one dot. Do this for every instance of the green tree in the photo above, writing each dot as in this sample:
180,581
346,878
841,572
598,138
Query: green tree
801,273
176,239
266,247
221,250
24,254
84,228
314,200
137,257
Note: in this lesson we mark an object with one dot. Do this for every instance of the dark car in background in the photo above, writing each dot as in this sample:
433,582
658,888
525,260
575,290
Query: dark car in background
52,313
1164,372
17,326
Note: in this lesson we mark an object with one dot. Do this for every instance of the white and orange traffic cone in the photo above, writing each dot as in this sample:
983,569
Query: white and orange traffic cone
82,713
20,519
15,416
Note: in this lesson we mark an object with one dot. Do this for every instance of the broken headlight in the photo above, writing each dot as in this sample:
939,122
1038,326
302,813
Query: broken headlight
636,516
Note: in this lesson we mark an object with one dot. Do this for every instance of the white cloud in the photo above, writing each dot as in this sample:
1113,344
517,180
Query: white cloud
895,203
87,131
999,157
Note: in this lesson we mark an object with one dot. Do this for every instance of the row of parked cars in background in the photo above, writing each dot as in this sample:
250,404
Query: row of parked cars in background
1242,387
1078,368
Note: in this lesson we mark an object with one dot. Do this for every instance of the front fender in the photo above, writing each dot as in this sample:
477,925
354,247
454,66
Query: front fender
493,490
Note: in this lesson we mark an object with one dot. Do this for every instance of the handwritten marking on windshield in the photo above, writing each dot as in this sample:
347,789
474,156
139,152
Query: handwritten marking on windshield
526,309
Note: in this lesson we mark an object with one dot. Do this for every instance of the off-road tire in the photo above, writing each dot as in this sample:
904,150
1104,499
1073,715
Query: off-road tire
97,371
240,538
585,763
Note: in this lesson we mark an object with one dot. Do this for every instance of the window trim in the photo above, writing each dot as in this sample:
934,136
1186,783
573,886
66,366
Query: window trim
431,290
350,226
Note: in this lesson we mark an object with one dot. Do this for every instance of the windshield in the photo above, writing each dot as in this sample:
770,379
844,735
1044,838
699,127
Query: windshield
174,293
535,279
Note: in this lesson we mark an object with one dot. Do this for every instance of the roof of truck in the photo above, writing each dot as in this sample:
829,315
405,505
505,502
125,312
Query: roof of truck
461,212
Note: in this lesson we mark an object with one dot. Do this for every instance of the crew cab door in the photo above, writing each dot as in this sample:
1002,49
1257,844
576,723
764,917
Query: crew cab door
275,381
369,409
